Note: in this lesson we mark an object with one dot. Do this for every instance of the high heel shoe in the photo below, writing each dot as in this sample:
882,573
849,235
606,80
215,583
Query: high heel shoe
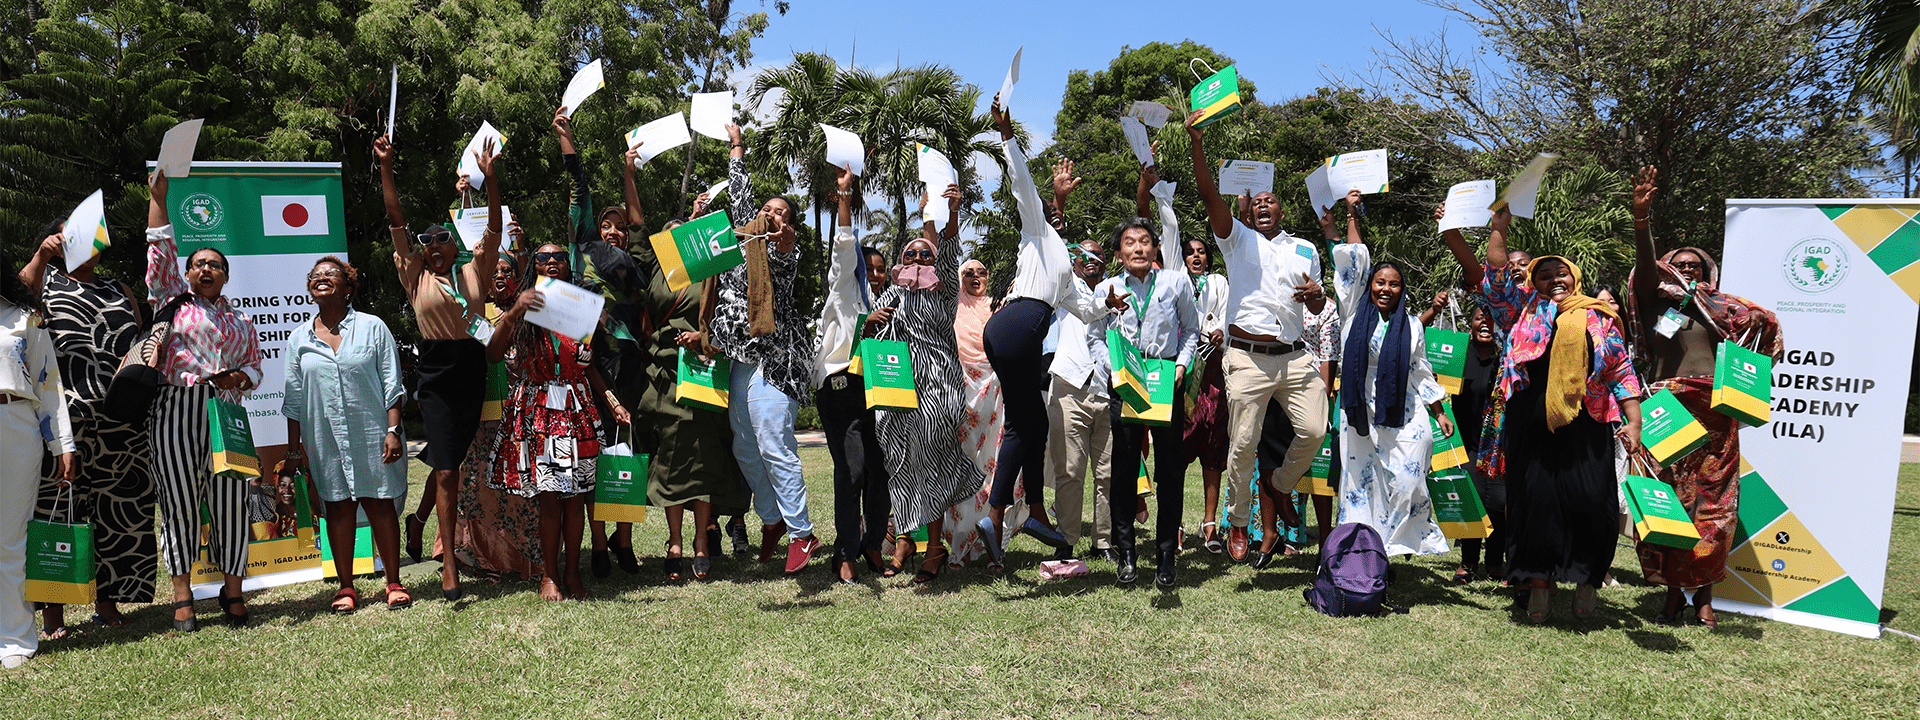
1538,607
1585,599
1046,535
624,558
989,536
881,567
939,561
845,565
234,620
191,624
600,563
673,565
415,527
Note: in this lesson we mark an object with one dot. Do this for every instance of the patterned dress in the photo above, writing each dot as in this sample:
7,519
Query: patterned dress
537,448
930,468
94,325
496,531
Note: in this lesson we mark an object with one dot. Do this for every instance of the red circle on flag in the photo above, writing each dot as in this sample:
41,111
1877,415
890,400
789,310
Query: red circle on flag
294,214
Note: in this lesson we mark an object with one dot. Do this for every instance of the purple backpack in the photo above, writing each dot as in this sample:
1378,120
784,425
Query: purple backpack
1353,573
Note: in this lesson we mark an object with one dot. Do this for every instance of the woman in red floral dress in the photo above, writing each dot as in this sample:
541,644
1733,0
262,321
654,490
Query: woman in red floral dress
548,438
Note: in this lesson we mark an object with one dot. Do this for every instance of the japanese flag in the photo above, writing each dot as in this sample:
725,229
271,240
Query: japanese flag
293,215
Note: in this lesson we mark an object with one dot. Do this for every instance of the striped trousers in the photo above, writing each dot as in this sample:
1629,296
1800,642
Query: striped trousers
182,472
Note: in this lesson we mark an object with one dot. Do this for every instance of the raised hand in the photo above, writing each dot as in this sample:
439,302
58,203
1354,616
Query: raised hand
563,127
1439,301
1326,224
1308,290
383,150
1440,212
1193,131
953,196
700,204
1502,219
733,135
53,246
463,186
843,178
1149,176
1001,118
485,157
1064,181
1643,190
1117,301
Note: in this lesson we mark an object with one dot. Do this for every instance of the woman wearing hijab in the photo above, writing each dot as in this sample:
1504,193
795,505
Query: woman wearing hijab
1564,382
1386,440
1684,284
986,414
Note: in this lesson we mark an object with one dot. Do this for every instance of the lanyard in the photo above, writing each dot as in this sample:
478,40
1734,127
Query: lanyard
1140,308
1199,287
553,339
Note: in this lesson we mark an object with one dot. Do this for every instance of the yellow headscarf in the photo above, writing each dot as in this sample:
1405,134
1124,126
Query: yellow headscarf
1567,371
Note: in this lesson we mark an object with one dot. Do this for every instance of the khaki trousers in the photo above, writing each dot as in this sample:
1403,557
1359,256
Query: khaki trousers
1252,380
1079,437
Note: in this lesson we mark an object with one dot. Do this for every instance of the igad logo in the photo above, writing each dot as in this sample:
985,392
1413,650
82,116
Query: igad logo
201,212
1815,265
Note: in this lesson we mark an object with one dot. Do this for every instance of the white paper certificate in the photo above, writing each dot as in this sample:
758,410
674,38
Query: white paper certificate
936,171
1363,171
1137,141
1467,205
86,230
1525,188
659,136
1013,78
845,150
1149,113
1319,192
1245,177
393,99
567,308
471,167
590,78
471,225
176,149
713,193
711,112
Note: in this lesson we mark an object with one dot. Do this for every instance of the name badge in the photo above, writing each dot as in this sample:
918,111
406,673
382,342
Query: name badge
1304,251
561,451
839,382
557,396
1670,322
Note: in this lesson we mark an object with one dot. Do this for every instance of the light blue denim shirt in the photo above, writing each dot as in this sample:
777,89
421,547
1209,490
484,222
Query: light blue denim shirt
341,401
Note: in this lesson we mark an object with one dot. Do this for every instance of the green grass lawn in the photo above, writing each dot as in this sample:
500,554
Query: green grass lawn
1230,642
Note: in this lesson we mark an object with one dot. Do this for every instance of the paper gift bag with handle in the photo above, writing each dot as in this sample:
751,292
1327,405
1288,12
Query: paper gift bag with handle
1655,509
887,368
1160,390
1129,372
60,560
1447,351
703,381
1215,96
1319,477
620,484
1457,507
1742,384
1668,430
697,250
230,438
1449,451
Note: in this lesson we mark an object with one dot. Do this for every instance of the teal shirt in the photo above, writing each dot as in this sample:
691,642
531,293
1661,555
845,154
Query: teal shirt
341,401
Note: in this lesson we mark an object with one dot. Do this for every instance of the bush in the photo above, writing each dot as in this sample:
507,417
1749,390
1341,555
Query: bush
809,418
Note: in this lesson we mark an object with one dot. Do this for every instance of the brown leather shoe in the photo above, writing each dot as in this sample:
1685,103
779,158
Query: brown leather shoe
1237,544
770,540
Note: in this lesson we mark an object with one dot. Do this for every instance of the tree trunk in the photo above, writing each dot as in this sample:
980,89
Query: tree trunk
686,175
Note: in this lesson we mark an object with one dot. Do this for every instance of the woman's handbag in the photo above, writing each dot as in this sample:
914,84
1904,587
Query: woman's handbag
130,396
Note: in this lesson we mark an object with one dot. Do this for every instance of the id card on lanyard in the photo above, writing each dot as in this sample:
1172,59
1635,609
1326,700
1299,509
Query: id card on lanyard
559,393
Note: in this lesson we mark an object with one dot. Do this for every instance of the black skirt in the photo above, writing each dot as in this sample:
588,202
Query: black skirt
1563,511
453,381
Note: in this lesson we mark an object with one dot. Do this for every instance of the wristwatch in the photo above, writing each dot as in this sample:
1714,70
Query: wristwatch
393,429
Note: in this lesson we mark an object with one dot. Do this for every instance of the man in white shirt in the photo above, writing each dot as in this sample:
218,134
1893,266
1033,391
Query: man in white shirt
1079,433
1272,280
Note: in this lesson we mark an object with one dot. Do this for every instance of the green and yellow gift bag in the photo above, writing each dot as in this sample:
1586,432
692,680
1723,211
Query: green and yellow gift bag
1742,384
703,382
1448,451
60,561
887,367
1129,372
620,485
1160,392
230,440
697,250
1457,507
1447,352
1656,512
1216,96
1319,477
1668,430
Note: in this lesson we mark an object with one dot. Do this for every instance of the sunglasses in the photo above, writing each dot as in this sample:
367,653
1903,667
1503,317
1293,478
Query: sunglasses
209,263
913,254
1694,264
547,257
431,239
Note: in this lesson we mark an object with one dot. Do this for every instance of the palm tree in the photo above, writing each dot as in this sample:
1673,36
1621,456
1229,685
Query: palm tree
791,140
1887,46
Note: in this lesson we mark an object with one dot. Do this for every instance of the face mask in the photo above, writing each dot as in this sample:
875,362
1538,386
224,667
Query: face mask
915,277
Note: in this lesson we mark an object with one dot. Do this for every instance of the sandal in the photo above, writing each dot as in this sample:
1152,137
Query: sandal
623,558
938,560
397,597
234,620
1704,615
702,567
672,565
1585,599
114,621
345,602
1463,575
1538,607
879,566
1210,535
54,633
192,623
550,590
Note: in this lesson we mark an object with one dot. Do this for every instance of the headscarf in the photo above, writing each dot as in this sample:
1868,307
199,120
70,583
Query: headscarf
1566,381
970,321
1732,317
914,276
1390,386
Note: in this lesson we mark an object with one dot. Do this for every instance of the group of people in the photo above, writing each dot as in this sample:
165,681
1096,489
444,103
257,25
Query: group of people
1015,397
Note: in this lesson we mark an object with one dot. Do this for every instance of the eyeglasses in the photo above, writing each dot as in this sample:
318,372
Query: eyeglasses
973,273
1688,264
917,254
547,257
208,263
431,239
325,275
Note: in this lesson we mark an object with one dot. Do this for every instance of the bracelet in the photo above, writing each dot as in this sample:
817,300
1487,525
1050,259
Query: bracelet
611,399
736,146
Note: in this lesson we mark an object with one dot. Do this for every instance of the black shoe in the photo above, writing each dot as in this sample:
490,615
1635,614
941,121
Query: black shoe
1099,553
1260,559
1063,554
1046,535
601,564
623,556
188,625
1163,575
226,609
738,534
1127,571
452,595
713,541
415,527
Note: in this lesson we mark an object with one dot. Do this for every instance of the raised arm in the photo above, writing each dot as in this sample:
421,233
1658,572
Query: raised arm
739,188
1432,312
1171,249
1219,216
1470,268
583,225
1019,179
34,273
1646,276
1353,218
1497,240
477,275
164,281
631,194
383,149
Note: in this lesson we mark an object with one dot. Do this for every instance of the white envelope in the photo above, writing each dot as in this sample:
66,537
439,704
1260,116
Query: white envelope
1013,78
176,149
1467,205
591,77
1245,177
568,309
845,150
471,225
86,225
1136,135
470,167
711,113
1364,171
659,136
1525,188
1149,113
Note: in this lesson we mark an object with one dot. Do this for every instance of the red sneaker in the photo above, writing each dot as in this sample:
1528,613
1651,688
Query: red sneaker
799,552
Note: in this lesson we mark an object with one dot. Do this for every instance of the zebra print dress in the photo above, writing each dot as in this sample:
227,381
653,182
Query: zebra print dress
930,467
93,325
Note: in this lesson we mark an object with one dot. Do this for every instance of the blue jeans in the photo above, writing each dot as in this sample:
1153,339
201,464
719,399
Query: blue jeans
763,442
